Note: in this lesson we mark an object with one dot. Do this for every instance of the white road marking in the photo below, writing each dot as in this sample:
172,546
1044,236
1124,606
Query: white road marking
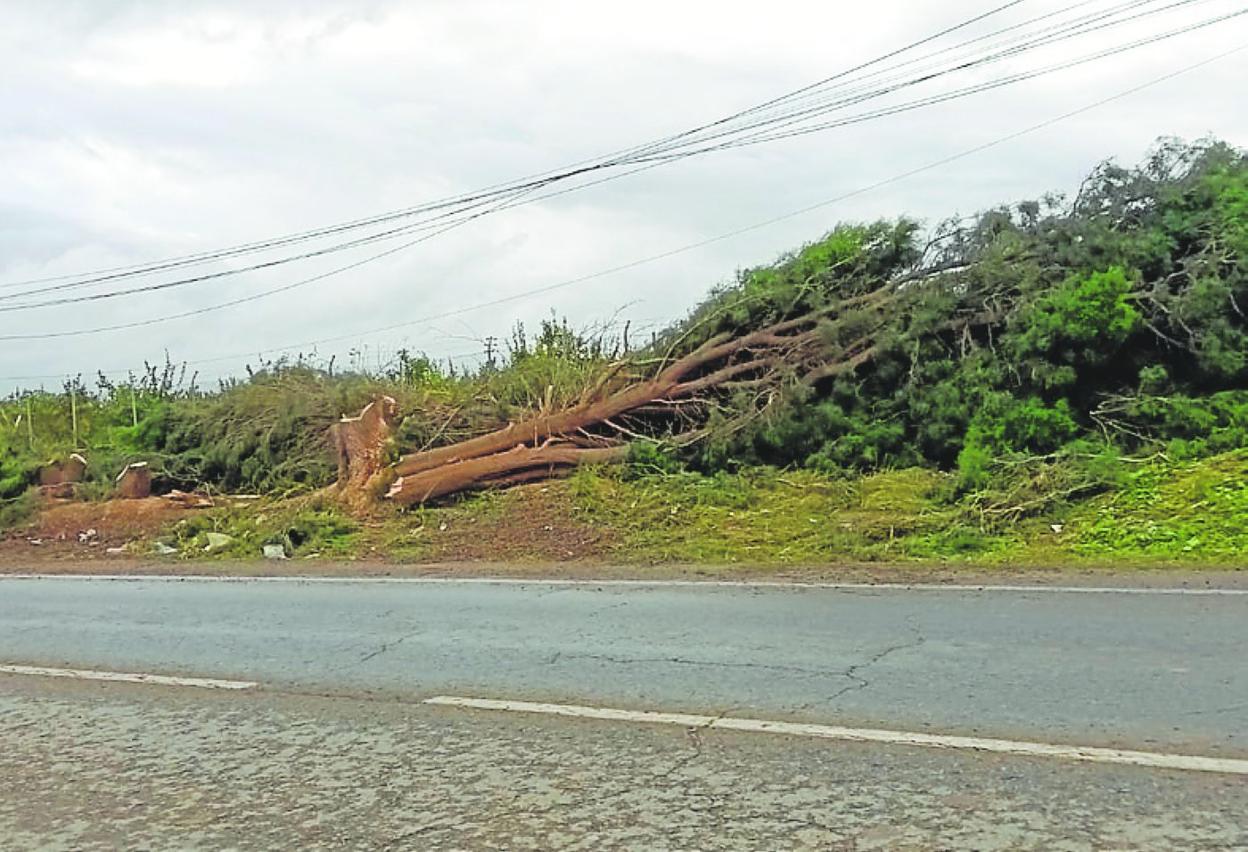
1090,754
605,713
659,584
129,677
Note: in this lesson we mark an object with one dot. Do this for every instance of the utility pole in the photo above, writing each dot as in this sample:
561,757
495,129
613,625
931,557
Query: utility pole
73,410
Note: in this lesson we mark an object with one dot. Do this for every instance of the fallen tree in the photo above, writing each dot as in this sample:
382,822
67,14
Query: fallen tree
1117,320
1003,334
661,398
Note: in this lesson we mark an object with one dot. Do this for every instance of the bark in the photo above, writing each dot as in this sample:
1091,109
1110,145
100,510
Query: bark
519,464
363,445
135,481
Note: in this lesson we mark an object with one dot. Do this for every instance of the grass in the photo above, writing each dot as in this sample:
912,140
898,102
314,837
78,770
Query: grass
1177,512
17,510
763,516
1170,511
1163,512
304,527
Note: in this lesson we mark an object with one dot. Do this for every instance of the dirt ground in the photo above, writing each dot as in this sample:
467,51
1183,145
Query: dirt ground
92,563
80,531
535,525
535,539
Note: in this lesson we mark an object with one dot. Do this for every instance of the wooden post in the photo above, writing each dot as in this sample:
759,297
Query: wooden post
134,407
73,411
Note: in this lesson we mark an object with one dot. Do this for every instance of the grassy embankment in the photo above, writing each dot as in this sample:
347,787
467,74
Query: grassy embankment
1162,513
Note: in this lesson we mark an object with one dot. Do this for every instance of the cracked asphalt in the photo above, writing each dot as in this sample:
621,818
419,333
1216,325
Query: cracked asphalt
111,766
335,751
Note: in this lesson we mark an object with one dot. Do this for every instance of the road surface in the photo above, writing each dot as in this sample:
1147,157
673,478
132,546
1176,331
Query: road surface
334,746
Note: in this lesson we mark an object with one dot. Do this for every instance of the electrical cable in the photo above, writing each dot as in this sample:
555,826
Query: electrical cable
483,197
897,178
756,138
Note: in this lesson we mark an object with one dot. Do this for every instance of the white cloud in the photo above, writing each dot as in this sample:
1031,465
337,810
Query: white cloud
139,130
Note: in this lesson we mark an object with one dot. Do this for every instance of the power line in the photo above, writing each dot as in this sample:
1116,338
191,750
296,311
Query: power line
935,164
122,271
460,218
986,86
663,151
760,136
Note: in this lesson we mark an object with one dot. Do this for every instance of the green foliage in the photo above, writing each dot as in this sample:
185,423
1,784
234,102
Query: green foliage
1136,288
1006,425
1189,427
1083,321
19,508
1170,510
849,260
549,370
646,458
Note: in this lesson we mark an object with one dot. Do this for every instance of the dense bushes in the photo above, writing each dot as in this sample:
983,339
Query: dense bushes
269,433
1117,317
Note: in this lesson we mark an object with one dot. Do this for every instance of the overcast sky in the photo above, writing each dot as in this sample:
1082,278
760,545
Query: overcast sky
132,131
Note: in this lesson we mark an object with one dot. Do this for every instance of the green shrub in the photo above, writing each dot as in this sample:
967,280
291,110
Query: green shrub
18,509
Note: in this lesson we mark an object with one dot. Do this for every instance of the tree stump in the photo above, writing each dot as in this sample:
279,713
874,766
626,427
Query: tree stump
363,445
71,470
135,482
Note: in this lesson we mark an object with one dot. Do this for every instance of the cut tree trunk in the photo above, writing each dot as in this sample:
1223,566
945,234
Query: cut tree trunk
363,446
512,467
71,470
135,481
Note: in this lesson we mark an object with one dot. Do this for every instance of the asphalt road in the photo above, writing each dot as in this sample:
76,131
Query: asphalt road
1132,670
303,757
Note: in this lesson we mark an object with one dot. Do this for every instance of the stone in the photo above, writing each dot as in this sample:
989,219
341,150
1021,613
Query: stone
217,541
274,551
162,549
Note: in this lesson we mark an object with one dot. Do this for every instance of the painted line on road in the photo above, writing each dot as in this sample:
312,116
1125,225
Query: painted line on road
1089,754
129,677
659,584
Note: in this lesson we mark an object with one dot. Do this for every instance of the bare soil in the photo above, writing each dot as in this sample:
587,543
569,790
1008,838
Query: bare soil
535,525
68,564
75,530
